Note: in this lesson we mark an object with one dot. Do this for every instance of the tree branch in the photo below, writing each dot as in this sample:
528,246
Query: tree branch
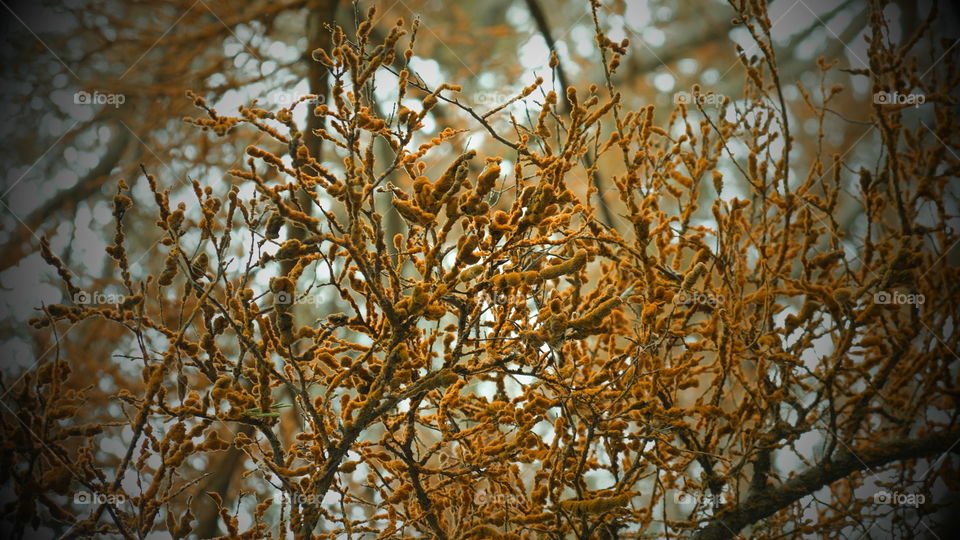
544,28
768,502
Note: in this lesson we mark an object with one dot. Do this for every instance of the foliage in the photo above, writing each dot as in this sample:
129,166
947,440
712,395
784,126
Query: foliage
508,361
